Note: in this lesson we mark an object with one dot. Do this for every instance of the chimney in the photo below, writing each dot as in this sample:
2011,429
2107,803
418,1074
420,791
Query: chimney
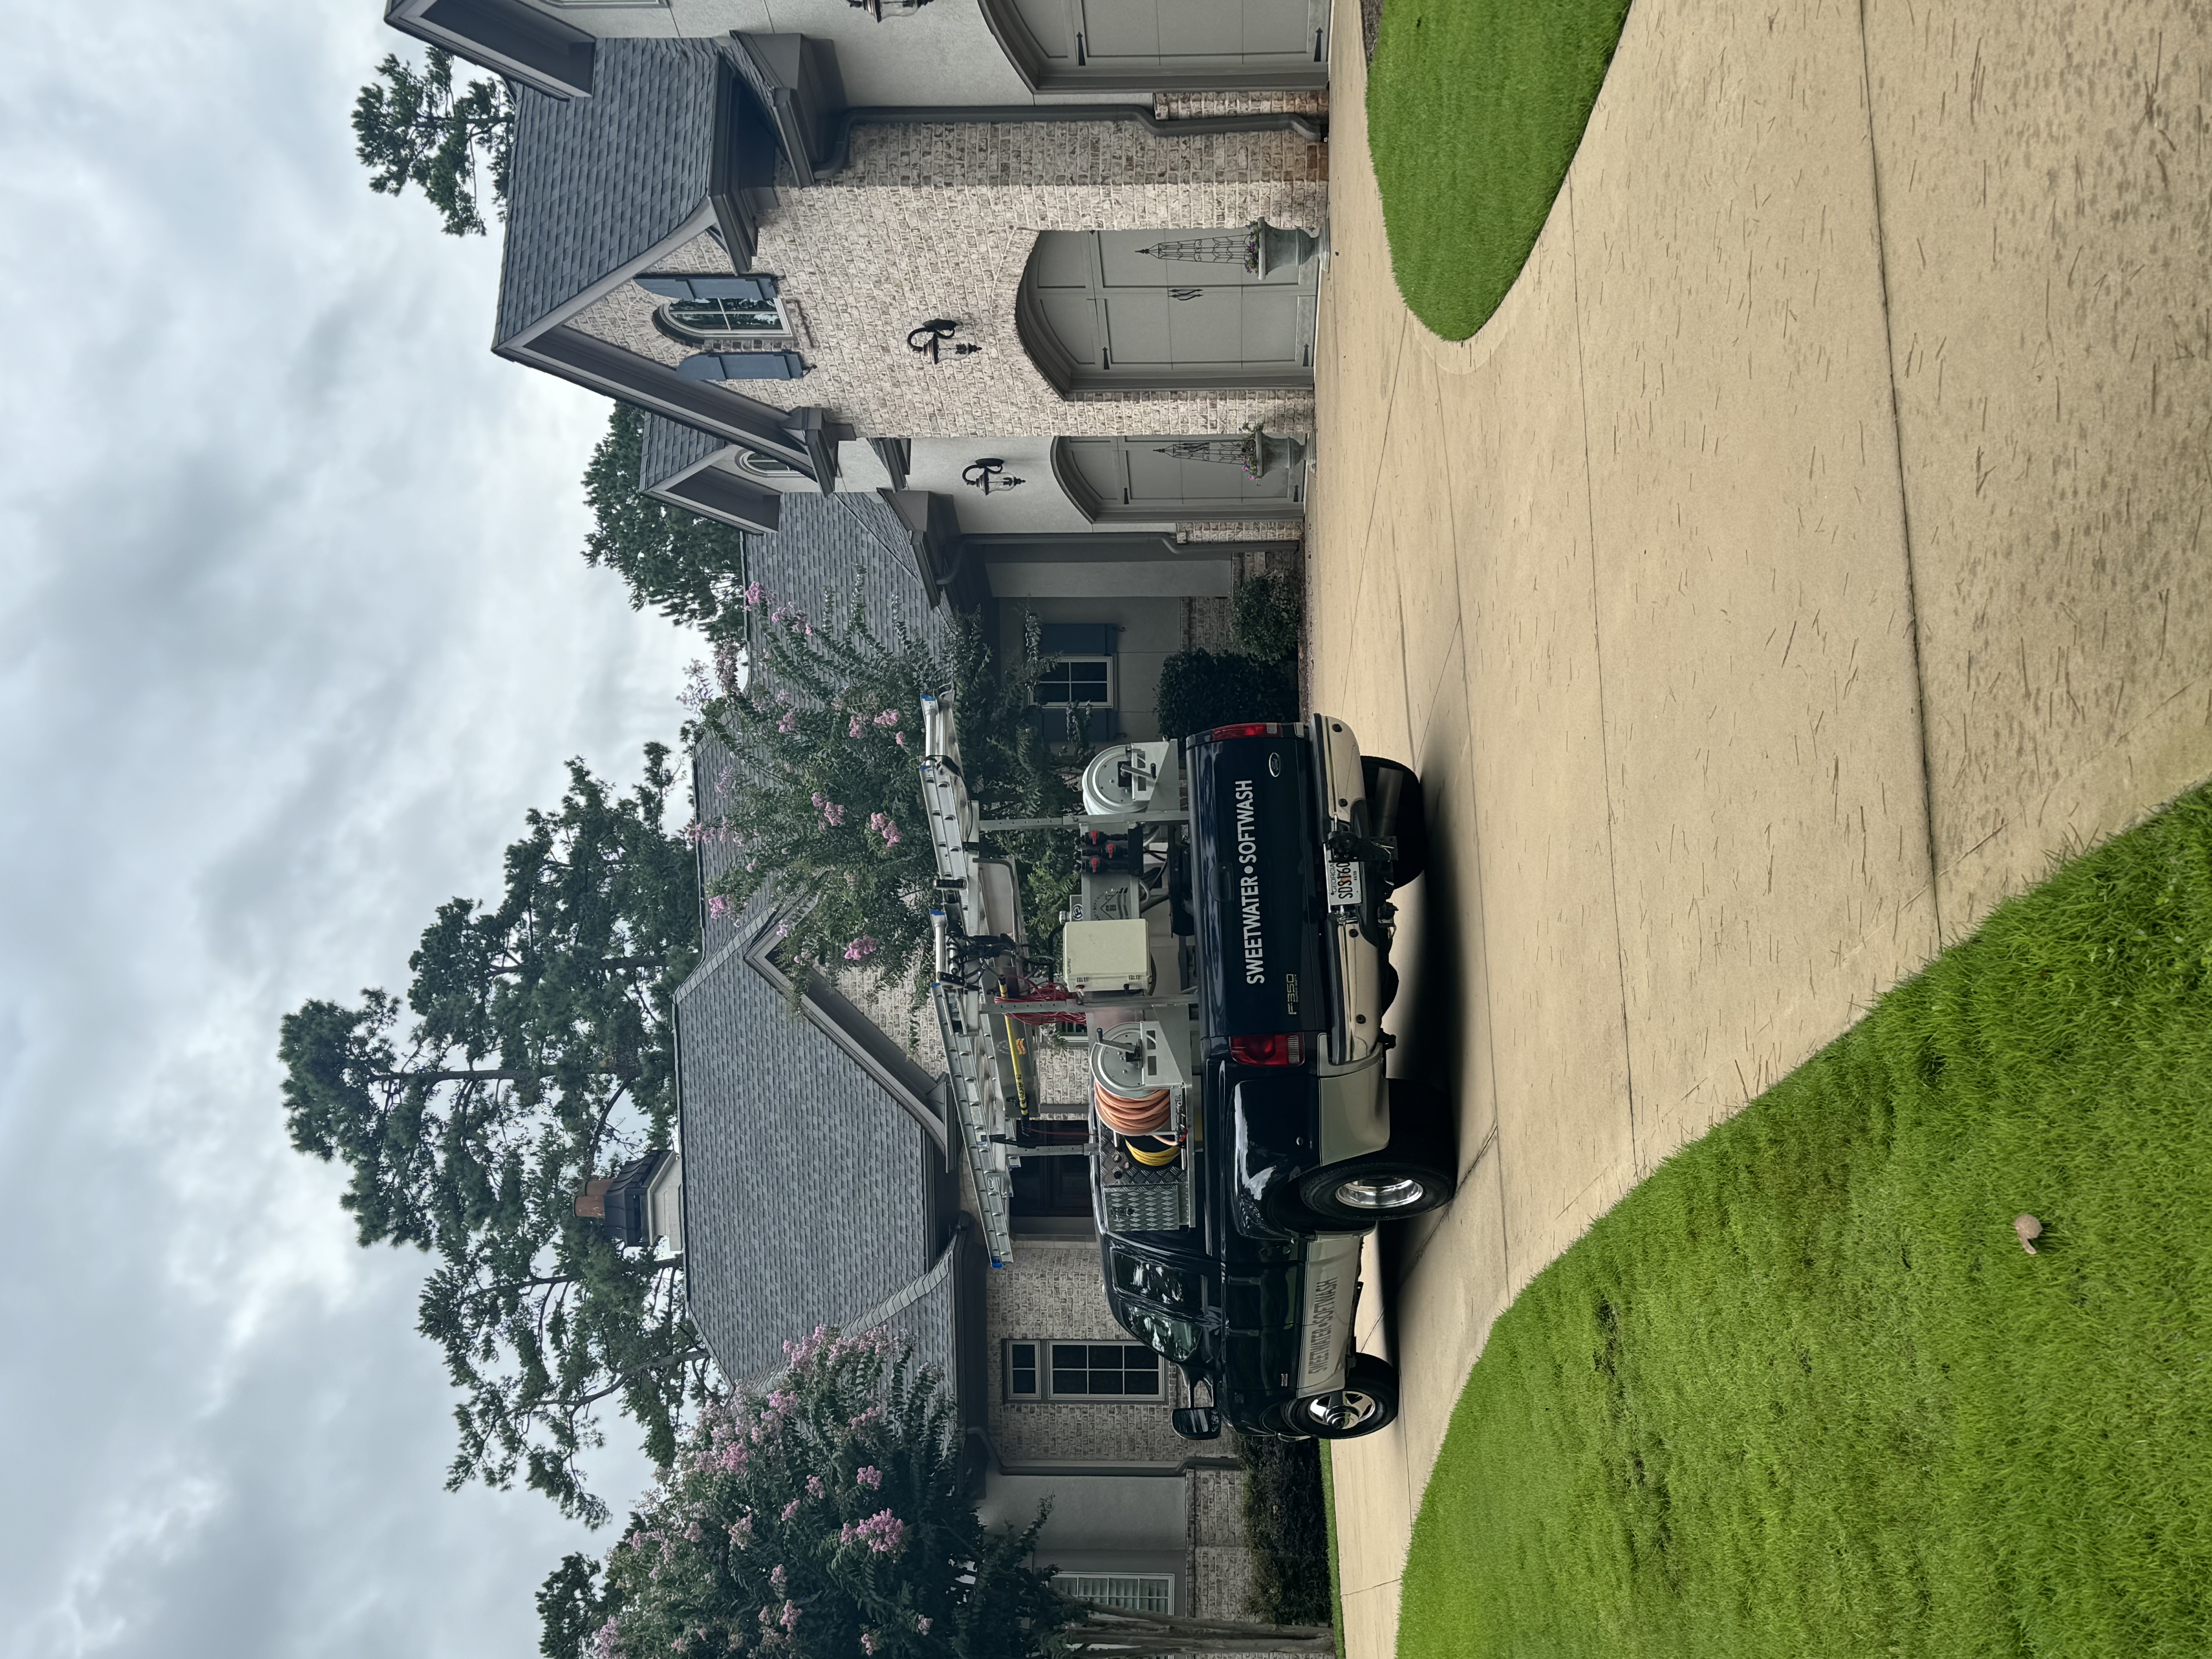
591,1202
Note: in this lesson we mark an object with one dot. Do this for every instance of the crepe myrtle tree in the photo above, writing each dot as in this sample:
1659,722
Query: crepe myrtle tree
411,128
690,568
834,1517
812,734
534,1049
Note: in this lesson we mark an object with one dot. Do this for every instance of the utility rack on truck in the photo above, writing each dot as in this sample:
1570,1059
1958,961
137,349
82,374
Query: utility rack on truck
1226,960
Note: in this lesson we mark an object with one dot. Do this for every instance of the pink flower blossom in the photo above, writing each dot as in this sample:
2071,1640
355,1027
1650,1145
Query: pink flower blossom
882,1532
899,737
717,906
856,728
882,824
889,717
790,1615
814,1486
741,1535
754,594
860,949
776,1578
921,1623
867,1641
791,1509
788,722
869,1476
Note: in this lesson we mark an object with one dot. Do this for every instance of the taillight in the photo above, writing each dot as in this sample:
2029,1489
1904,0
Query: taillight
1250,729
1281,1049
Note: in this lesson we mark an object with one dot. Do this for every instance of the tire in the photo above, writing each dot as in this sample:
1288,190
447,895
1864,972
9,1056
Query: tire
1395,807
1416,1173
1367,1402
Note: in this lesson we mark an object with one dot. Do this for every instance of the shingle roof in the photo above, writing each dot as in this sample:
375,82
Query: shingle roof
669,447
809,1197
597,182
825,541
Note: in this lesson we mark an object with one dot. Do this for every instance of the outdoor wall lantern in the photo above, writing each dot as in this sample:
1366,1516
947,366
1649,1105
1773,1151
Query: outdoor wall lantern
880,9
931,337
981,474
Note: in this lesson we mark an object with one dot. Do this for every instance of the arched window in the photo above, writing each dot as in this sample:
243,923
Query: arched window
724,319
704,310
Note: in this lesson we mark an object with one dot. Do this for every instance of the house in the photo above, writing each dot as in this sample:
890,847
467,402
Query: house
822,1183
1059,315
1005,309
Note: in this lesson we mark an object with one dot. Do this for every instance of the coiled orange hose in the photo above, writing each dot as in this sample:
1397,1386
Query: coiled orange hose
1138,1115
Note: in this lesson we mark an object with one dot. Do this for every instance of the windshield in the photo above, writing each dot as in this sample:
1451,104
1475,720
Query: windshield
1155,1281
1176,1338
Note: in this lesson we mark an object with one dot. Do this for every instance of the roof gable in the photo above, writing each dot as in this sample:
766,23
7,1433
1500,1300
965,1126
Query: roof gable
601,183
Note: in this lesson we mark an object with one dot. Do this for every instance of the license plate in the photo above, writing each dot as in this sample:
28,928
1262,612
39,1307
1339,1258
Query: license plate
1347,885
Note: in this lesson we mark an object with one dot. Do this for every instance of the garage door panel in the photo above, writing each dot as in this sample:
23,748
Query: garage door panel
1122,28
1279,29
1073,320
1140,328
1268,327
1046,21
1202,28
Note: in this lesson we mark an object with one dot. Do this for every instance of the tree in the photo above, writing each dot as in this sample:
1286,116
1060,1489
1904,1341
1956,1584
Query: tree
691,568
820,735
410,128
833,1518
534,1049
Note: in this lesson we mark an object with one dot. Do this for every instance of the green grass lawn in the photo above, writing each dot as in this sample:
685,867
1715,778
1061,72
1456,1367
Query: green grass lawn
1473,111
1803,1392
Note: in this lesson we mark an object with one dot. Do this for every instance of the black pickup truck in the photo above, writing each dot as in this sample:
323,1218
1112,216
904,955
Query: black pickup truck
1230,1232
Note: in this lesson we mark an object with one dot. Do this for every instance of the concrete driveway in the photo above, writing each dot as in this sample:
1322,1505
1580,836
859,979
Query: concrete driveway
1810,550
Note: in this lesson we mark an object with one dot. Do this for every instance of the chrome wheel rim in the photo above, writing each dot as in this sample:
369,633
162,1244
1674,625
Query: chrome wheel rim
1381,1193
1345,1410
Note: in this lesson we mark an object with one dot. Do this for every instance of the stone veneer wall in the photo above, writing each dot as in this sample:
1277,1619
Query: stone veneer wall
1220,1569
1053,1290
938,221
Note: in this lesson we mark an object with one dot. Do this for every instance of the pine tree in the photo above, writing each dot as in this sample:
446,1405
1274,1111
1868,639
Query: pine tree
690,568
535,1049
410,128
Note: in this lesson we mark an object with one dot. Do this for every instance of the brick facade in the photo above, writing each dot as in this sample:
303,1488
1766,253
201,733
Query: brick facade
940,220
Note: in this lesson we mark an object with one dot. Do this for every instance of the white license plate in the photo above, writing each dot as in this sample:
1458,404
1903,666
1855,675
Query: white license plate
1347,885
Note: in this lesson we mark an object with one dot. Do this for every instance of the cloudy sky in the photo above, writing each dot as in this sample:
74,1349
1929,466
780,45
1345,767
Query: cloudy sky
292,630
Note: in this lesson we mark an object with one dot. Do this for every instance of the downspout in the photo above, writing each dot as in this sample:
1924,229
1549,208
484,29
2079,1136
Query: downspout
1304,126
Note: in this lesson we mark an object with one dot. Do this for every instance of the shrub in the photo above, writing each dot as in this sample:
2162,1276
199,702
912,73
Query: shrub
1265,617
1204,689
1289,1530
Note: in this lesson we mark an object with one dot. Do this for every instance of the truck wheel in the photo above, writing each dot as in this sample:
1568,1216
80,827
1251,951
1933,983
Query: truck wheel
1367,1402
1355,1195
1394,807
1414,1174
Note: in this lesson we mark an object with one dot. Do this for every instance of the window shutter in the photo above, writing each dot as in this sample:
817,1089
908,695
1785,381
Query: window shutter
741,366
759,289
1078,639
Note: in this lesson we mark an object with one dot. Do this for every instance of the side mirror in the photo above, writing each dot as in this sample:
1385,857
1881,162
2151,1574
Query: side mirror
1197,1422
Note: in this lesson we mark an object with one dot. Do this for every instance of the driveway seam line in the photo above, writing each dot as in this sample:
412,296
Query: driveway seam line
1904,495
1495,1139
1597,651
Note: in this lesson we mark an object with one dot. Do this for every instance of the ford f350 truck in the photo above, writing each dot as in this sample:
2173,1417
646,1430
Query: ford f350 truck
1281,1140
1228,956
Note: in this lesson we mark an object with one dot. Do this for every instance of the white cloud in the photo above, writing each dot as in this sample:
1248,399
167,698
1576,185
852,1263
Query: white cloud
292,630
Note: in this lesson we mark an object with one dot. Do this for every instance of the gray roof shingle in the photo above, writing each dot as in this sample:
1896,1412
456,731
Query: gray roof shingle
597,182
809,1197
669,447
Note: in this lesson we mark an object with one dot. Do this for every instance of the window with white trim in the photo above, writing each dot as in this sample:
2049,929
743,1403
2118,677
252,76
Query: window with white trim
1083,1372
1128,1592
1071,680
